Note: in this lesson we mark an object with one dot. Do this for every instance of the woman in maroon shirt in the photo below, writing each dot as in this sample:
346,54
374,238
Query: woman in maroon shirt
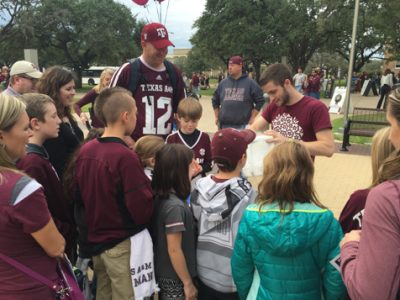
90,98
370,259
27,231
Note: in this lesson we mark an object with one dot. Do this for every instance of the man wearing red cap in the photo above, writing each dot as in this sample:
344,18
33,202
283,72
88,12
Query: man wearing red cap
156,84
238,98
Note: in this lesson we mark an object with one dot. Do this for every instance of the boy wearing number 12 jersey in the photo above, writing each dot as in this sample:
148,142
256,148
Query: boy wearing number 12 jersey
156,84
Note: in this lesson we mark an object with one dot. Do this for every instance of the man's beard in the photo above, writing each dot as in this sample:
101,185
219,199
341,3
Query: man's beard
285,98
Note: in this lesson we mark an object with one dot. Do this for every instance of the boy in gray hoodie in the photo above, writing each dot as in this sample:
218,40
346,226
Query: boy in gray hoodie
218,203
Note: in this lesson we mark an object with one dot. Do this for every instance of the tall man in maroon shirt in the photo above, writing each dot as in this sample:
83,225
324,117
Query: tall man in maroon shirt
155,97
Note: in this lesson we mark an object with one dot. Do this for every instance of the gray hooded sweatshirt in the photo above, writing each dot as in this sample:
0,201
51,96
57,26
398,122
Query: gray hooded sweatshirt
218,208
236,99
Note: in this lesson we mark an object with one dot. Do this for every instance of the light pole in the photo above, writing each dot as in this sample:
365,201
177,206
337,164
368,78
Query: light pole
351,62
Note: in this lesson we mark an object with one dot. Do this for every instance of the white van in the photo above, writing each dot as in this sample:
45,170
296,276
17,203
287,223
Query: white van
91,76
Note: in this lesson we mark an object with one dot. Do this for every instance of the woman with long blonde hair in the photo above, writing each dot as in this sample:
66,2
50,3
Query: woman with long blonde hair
288,236
90,98
370,259
28,235
353,212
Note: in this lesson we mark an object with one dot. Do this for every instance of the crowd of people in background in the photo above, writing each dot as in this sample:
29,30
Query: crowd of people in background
170,211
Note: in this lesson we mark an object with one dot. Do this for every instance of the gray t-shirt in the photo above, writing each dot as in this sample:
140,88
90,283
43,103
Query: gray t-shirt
173,215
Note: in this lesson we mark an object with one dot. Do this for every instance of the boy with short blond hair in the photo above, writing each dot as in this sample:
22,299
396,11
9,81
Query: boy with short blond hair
218,203
188,115
114,197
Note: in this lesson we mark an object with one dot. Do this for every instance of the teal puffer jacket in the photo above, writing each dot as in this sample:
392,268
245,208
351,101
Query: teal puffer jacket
292,253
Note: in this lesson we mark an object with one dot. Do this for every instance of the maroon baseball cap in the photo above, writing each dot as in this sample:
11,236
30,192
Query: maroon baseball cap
231,144
157,35
236,60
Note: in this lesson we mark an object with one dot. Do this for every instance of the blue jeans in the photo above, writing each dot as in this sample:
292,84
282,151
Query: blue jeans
314,95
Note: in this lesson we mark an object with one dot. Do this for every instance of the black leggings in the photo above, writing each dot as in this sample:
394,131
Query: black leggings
385,89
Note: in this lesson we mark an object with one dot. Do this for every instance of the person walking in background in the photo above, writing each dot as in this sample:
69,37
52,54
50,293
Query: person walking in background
173,226
90,98
237,99
386,86
293,115
313,85
23,78
59,84
299,79
156,84
195,84
4,78
288,236
353,211
28,234
370,258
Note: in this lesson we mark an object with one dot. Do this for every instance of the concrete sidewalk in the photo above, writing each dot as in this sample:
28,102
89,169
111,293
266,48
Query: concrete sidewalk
336,177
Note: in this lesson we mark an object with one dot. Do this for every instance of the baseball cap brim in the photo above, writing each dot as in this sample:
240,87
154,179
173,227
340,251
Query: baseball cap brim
35,74
248,135
162,43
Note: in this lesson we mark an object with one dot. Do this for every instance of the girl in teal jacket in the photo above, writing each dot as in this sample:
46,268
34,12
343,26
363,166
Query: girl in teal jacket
288,236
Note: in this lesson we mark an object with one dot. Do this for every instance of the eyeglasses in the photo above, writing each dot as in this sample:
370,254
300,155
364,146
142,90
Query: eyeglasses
34,80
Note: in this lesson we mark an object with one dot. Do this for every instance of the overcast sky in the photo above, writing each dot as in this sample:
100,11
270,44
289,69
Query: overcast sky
181,15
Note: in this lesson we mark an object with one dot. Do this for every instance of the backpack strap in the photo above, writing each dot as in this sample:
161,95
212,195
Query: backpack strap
28,271
172,78
136,76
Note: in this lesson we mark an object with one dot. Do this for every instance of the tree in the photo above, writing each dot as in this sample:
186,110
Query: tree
84,32
10,12
259,30
74,33
378,29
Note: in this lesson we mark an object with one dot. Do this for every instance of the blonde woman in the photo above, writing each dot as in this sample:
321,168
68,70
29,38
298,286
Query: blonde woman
353,212
28,234
90,98
288,236
370,260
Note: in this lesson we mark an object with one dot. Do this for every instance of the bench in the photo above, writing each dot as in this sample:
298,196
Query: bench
363,122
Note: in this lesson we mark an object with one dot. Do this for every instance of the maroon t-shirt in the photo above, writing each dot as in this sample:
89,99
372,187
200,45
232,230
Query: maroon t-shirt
201,147
23,210
154,99
115,196
300,121
353,212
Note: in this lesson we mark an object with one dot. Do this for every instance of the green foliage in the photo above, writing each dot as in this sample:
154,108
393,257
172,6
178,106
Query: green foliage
76,33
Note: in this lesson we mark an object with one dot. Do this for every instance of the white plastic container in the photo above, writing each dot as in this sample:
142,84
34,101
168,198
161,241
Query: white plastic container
256,152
